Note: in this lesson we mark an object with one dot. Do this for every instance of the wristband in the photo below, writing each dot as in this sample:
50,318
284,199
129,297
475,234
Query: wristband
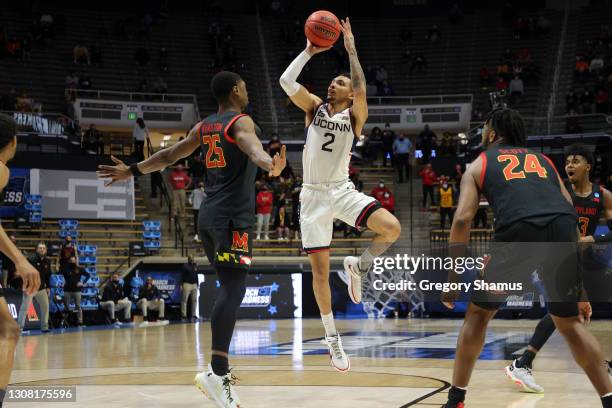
134,169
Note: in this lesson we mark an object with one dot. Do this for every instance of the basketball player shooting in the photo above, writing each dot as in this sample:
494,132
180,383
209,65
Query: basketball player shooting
327,192
9,329
232,150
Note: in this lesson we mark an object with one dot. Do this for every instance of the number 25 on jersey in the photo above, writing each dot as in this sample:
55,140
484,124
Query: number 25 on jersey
214,153
531,165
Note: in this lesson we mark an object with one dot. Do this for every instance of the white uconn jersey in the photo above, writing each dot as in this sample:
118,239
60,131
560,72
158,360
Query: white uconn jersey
327,152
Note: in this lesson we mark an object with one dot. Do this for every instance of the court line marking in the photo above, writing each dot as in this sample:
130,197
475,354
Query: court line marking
431,394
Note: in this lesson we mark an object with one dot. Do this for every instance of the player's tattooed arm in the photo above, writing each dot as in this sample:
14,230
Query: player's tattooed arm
243,131
159,161
358,81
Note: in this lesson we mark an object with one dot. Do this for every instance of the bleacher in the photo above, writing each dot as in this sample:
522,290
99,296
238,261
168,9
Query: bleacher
184,34
453,62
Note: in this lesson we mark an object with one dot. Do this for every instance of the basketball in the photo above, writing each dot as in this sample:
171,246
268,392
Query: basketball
322,28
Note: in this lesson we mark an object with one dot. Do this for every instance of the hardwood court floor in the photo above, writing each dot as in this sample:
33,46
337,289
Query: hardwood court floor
282,363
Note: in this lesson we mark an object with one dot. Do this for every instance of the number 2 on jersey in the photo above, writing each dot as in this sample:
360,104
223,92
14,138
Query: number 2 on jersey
214,146
532,165
330,141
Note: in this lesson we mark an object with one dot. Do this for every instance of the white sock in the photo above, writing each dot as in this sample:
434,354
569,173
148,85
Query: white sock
328,323
365,260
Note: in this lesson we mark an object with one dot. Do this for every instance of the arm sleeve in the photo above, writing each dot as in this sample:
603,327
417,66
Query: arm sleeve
288,80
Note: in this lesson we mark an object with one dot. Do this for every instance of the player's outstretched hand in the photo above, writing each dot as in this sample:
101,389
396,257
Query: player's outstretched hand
120,171
29,275
347,34
584,312
279,161
312,49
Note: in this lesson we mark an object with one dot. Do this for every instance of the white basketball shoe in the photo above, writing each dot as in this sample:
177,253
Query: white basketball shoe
351,266
523,377
219,389
338,358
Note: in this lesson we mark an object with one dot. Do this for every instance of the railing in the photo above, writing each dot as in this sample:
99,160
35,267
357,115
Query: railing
132,96
555,82
420,100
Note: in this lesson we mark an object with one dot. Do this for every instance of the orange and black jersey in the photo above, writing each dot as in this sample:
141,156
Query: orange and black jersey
521,185
589,208
229,175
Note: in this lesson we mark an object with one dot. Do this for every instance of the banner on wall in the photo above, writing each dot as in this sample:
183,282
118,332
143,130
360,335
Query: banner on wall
68,194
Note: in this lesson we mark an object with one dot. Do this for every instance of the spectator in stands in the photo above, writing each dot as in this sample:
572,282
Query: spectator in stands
429,179
274,145
485,78
455,14
92,141
419,63
426,140
354,177
71,83
581,70
160,86
281,222
456,177
149,298
374,144
385,89
503,70
195,199
572,123
189,288
42,263
85,81
446,201
25,103
601,101
379,191
114,300
543,25
381,75
388,137
67,250
434,33
388,202
571,101
140,133
501,84
587,102
179,181
80,55
74,276
142,57
596,65
296,189
402,147
516,90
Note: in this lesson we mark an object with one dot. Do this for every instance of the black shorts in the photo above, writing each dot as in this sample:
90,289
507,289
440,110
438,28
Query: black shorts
526,248
227,246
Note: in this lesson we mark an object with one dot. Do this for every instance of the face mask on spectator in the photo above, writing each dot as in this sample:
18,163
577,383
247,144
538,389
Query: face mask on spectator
381,185
445,185
386,195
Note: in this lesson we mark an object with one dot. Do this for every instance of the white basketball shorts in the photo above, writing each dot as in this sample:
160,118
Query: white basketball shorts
320,204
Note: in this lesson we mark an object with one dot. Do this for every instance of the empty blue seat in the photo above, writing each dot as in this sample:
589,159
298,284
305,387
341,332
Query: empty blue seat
68,224
152,244
64,233
93,281
151,225
57,281
36,218
91,270
151,235
87,260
